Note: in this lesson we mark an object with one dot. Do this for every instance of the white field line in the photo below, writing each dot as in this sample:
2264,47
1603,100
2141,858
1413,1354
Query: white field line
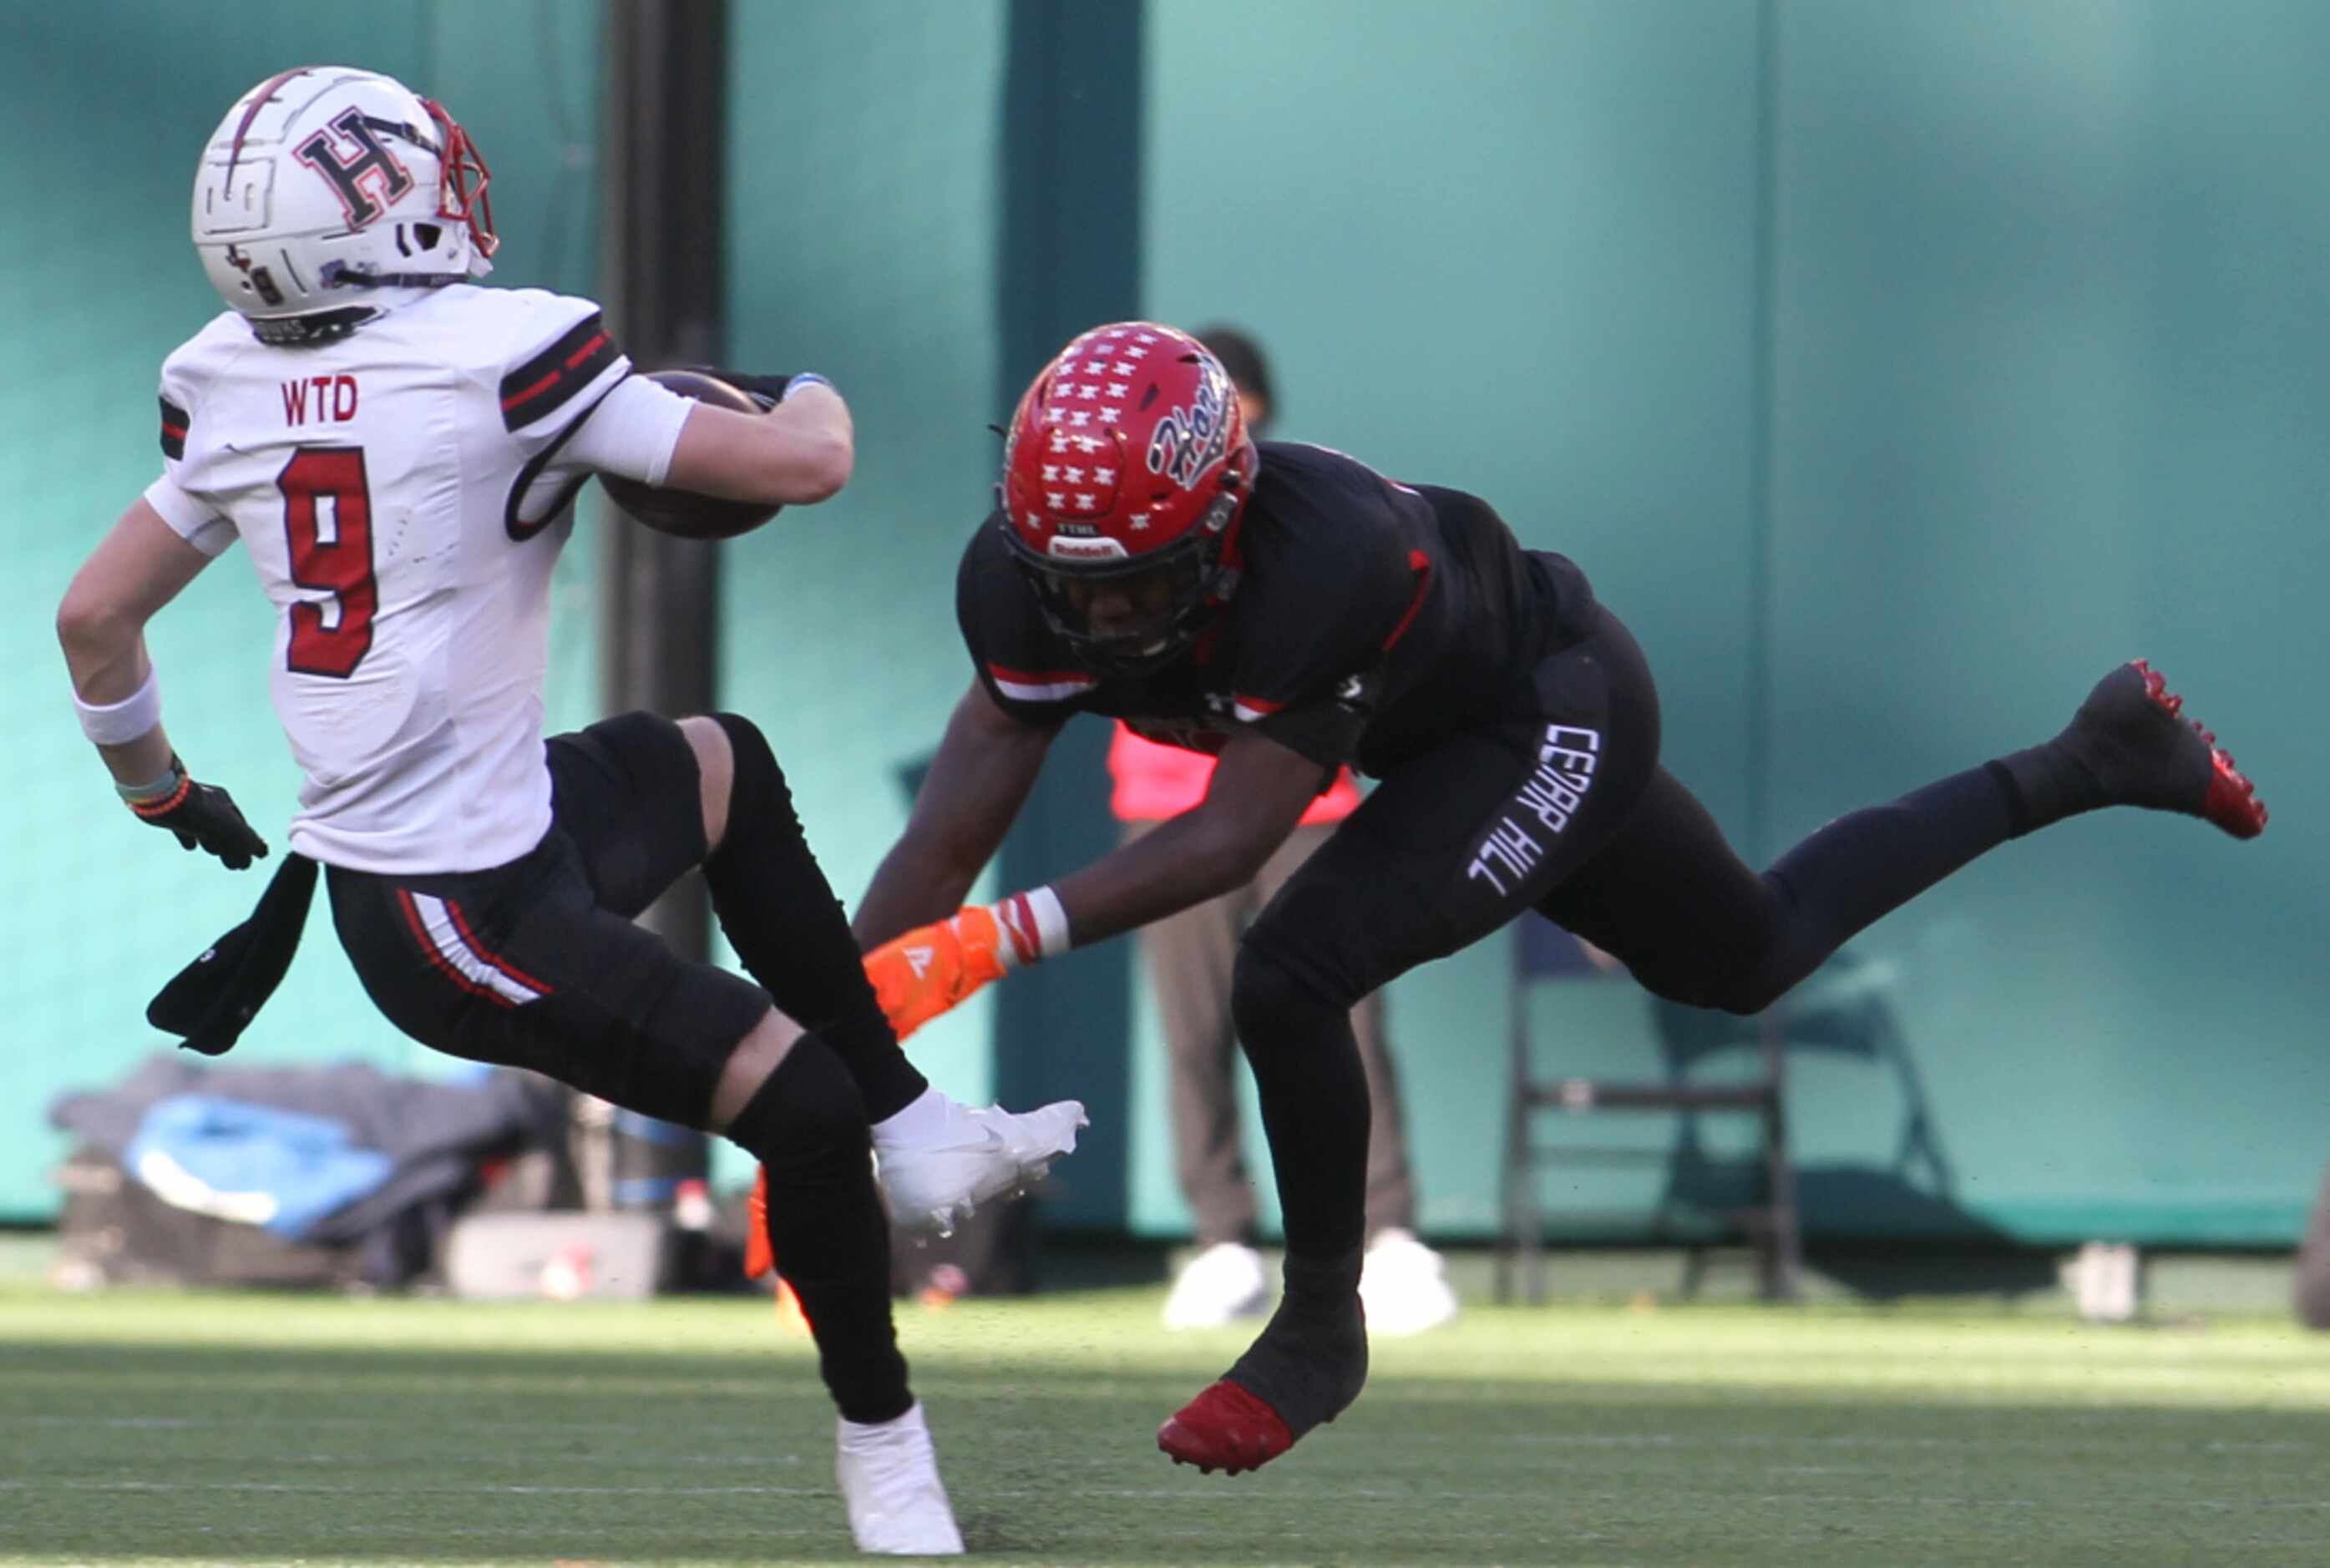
1403,1494
2102,1441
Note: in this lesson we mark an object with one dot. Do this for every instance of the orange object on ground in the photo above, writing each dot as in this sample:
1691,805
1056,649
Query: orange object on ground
758,1260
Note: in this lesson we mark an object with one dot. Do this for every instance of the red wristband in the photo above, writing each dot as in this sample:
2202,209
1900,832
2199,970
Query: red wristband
164,804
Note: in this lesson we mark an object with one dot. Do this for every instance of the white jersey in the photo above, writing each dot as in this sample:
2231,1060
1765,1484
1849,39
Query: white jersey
403,493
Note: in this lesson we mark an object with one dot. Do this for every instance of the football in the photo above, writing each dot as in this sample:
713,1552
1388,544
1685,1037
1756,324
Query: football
682,512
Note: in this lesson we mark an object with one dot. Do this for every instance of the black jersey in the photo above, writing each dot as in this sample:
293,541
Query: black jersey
1371,619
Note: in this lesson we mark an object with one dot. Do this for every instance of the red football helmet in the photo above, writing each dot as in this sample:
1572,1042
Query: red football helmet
1125,475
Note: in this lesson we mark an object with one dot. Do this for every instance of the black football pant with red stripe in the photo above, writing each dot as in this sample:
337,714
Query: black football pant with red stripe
539,964
1562,808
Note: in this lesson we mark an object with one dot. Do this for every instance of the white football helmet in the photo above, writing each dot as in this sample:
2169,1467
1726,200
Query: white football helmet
329,193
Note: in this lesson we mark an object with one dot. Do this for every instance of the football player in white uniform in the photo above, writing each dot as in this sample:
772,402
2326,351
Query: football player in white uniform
396,449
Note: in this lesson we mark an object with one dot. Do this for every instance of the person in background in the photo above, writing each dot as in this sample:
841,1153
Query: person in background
1189,958
2312,1292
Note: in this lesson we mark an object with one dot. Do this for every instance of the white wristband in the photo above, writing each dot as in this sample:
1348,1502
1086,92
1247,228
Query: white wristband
1035,925
1051,920
119,724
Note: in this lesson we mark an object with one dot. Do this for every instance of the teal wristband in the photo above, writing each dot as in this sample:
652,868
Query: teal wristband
156,791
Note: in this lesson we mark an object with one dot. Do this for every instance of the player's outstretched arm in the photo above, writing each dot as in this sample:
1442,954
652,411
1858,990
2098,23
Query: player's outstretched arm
1259,792
139,567
986,764
925,954
798,452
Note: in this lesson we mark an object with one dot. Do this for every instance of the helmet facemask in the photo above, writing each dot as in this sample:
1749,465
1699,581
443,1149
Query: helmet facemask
1136,614
458,162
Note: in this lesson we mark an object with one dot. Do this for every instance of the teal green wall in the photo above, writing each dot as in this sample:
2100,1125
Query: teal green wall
108,108
2020,358
864,170
2050,332
1507,247
1891,369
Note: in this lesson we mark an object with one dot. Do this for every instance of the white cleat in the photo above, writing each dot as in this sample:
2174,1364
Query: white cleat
1402,1285
937,1167
889,1477
1225,1282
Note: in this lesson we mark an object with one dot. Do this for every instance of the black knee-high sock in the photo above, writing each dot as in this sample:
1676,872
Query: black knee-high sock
826,1226
1311,1359
2044,784
1313,1091
782,917
1864,865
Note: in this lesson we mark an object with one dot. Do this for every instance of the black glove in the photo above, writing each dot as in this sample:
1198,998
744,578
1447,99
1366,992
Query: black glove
768,391
204,817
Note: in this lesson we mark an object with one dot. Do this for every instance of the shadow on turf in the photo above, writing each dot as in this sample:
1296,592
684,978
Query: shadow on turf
119,1453
1880,1228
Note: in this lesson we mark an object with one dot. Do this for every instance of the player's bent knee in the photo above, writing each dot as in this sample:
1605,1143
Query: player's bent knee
1750,996
757,1055
1748,989
715,769
1740,991
807,1114
757,785
1270,1000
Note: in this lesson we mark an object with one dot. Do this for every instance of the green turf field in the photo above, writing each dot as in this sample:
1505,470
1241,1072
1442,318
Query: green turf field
248,1429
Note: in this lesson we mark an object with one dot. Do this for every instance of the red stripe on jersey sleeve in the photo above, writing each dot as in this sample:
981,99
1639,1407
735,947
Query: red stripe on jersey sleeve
547,381
1042,678
545,384
585,352
1421,565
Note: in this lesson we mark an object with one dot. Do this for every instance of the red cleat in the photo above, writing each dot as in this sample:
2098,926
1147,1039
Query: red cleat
1227,1428
2232,802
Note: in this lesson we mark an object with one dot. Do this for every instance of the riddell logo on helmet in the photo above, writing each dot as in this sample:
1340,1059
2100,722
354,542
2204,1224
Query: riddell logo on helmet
1085,549
1190,441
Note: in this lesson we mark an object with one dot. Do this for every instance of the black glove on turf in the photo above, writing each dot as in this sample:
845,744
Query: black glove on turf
204,817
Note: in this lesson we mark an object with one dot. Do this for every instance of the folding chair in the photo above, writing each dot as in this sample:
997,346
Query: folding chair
1542,951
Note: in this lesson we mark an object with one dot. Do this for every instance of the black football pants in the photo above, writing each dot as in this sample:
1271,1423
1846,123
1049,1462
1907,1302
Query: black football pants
1192,957
1565,809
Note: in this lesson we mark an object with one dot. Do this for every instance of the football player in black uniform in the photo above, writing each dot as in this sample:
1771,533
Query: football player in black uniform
1291,609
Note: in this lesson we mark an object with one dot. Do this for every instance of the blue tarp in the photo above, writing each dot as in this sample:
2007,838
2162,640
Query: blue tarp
238,1161
324,1153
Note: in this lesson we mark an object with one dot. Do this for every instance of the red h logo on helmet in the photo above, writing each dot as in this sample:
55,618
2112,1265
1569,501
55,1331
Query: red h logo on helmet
347,178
